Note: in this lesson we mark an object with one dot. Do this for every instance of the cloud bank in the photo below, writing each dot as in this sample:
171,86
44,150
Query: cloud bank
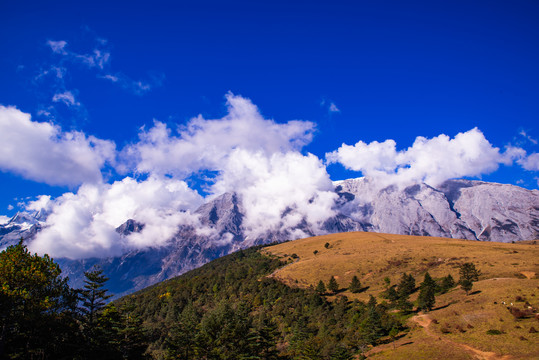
261,160
428,160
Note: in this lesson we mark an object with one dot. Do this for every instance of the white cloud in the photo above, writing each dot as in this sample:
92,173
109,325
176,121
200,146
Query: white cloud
66,97
204,144
10,207
3,219
271,184
428,160
42,152
137,87
58,47
83,224
530,162
96,58
528,137
333,108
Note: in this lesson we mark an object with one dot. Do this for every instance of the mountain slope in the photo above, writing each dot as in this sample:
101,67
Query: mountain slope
273,287
457,209
459,326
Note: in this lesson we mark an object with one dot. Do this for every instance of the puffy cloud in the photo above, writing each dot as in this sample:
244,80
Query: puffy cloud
205,144
279,191
43,152
428,160
530,162
82,224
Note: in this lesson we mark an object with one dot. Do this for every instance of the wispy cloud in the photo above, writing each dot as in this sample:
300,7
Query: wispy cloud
98,59
330,106
67,98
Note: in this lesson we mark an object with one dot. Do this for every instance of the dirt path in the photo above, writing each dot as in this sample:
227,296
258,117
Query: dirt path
425,320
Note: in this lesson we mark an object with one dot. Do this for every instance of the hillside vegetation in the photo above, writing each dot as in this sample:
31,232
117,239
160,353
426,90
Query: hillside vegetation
491,322
336,297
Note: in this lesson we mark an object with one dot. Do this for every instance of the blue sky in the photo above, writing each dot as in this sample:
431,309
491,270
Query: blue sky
357,70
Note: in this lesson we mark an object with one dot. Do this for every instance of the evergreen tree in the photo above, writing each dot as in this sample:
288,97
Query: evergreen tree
406,286
94,295
355,285
321,288
181,338
468,274
333,286
341,353
392,294
371,327
426,298
447,283
96,331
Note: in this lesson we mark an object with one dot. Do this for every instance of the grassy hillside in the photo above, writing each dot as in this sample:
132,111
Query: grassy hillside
479,325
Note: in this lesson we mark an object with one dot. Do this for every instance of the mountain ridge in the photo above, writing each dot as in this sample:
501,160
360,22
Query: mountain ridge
466,209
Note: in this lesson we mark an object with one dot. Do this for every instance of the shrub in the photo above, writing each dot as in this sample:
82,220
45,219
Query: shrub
494,332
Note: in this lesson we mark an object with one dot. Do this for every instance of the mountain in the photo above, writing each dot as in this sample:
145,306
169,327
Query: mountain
463,209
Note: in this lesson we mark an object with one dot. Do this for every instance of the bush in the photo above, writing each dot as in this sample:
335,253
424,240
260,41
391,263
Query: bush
494,332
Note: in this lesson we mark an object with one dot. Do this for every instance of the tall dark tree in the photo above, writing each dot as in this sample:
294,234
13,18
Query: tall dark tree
181,338
355,285
468,275
371,327
447,283
333,286
94,295
321,287
426,298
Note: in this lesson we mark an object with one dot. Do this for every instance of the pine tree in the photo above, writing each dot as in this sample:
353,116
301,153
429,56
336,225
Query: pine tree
321,288
426,298
371,327
355,285
468,274
94,295
447,283
333,286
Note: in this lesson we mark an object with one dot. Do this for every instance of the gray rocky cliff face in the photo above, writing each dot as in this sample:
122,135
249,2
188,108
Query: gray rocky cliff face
458,209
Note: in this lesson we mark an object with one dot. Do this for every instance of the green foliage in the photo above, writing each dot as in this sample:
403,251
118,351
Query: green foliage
40,316
355,285
36,306
333,286
321,287
447,283
405,288
468,275
251,316
426,298
94,295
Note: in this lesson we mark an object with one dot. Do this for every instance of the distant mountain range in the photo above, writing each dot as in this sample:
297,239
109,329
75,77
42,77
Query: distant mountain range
464,209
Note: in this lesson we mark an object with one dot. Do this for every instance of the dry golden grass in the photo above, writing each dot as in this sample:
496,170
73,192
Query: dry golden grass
508,271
